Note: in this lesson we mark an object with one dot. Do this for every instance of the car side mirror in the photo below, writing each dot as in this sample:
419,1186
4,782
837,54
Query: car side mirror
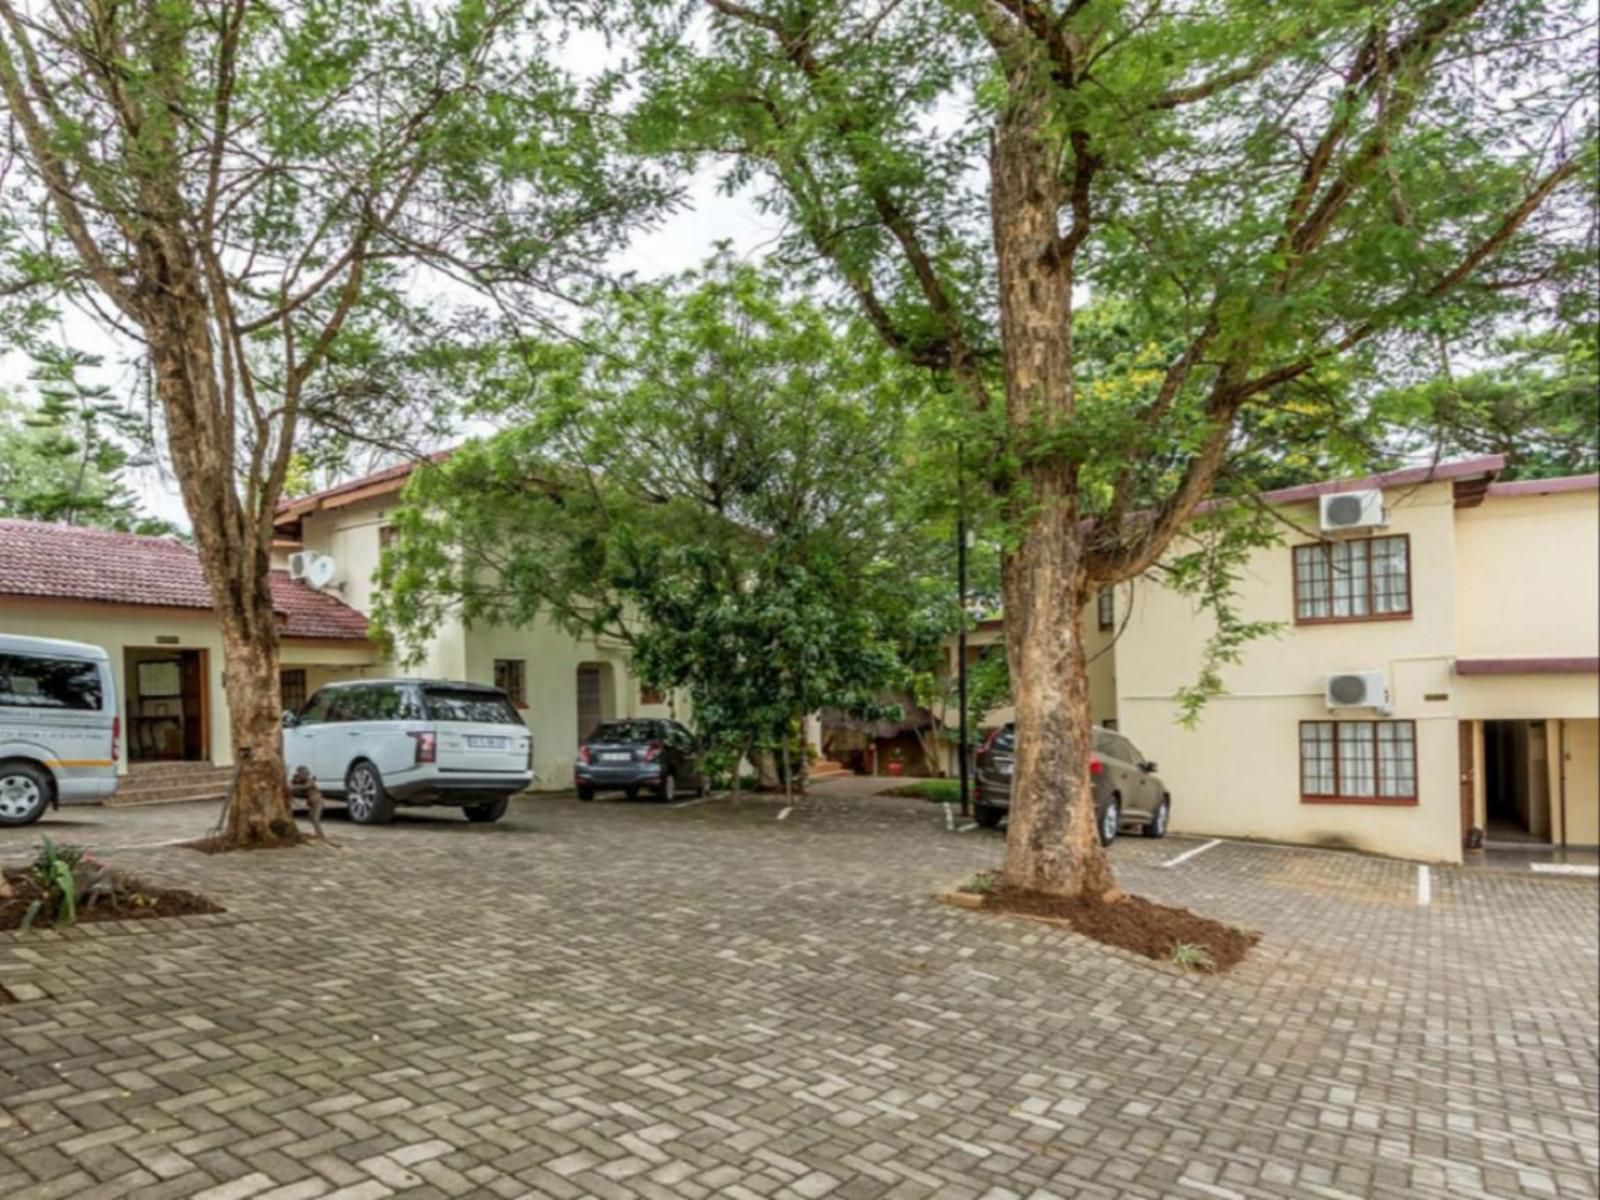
1148,768
289,719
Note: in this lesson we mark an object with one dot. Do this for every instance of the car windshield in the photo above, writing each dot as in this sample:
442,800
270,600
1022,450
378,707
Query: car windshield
627,731
470,705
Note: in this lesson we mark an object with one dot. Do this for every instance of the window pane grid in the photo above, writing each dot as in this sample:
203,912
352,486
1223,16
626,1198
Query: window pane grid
1358,760
1352,581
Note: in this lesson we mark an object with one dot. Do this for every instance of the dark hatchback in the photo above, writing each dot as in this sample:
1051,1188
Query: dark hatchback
1126,786
658,756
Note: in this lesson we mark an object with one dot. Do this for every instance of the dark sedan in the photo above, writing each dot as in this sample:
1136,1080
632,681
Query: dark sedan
1126,786
661,757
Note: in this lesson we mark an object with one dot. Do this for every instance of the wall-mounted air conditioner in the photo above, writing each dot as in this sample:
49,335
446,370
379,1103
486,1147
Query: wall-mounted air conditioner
300,563
1353,510
1357,689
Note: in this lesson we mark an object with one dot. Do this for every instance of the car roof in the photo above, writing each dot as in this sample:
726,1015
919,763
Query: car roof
17,644
454,684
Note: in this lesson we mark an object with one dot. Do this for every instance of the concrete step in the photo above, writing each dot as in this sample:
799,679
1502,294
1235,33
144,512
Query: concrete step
175,796
163,783
826,769
169,770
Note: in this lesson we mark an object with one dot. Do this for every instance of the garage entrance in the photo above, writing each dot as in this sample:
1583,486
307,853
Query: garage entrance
1516,782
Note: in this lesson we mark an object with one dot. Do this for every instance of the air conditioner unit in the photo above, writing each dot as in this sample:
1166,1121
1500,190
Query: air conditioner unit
1353,510
321,570
300,563
1357,689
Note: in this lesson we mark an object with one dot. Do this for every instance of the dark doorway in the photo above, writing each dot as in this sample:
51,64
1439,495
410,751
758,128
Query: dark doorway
1516,786
166,704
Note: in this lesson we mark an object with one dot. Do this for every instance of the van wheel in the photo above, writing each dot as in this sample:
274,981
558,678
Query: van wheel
484,813
365,796
1110,821
1156,826
24,792
987,815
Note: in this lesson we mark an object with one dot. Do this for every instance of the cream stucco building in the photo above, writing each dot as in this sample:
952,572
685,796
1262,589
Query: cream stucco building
1476,605
563,685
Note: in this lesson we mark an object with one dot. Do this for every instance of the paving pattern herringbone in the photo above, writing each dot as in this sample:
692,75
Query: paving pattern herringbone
624,1000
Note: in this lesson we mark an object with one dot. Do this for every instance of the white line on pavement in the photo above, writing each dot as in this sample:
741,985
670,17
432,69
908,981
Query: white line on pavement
1188,854
967,828
785,812
949,817
1565,869
696,800
1424,885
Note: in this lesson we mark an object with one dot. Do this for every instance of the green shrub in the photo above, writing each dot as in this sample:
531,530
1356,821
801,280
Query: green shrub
70,879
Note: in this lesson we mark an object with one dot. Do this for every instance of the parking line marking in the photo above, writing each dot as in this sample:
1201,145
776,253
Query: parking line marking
785,812
949,816
1565,869
968,828
1188,854
1424,885
691,803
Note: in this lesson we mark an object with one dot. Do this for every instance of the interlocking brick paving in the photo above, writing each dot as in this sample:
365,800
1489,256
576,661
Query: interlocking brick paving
626,1000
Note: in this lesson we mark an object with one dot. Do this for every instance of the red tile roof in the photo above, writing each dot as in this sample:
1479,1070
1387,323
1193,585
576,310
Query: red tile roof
66,562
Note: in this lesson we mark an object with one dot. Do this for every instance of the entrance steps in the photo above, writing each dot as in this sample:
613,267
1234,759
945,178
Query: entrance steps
824,769
171,782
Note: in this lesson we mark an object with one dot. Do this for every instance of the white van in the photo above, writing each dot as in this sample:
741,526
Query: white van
59,726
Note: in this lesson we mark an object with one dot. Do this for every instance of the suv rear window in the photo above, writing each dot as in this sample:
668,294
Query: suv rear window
627,731
469,705
1005,741
27,681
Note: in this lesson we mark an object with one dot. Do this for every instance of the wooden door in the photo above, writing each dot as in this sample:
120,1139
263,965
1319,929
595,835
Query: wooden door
589,702
1469,775
192,683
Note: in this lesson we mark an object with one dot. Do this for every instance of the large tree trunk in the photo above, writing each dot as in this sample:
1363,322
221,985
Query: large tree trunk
233,546
1051,841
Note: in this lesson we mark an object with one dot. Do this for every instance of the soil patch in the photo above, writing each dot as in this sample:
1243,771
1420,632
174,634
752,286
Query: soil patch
1157,931
134,901
216,844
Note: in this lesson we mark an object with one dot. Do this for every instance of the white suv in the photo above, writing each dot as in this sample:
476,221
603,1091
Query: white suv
375,743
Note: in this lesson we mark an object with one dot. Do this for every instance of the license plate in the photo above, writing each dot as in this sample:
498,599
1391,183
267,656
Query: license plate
621,756
486,743
1003,768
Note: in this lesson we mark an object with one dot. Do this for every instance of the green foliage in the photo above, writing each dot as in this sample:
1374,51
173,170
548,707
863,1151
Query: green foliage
70,879
704,475
982,883
65,459
1187,956
940,791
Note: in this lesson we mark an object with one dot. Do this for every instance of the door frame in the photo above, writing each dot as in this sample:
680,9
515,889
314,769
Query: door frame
1467,741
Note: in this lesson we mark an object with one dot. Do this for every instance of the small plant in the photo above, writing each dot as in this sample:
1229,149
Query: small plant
70,878
983,883
1187,956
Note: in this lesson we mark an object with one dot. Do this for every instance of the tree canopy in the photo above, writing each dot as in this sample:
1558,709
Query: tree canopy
707,475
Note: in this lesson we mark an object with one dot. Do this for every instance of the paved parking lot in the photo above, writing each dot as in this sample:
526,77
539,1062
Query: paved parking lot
624,1000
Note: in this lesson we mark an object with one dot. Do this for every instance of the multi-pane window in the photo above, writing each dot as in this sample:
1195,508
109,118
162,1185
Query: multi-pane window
1106,609
651,695
292,688
1371,761
386,536
510,676
1360,580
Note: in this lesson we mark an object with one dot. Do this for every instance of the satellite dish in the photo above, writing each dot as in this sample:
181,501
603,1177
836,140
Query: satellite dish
320,571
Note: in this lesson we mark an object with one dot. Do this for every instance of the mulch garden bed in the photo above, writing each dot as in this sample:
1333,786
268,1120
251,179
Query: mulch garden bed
134,901
1156,931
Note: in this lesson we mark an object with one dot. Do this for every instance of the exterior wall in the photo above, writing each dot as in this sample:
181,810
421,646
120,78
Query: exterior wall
552,656
1237,772
1581,767
118,628
1528,579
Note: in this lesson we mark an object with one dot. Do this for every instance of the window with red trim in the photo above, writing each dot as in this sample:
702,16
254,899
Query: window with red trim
1358,762
1364,580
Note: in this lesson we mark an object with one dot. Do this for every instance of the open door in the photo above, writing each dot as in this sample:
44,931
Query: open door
1469,775
192,676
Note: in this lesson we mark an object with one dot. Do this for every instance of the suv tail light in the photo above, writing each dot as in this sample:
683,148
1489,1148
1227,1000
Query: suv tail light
1095,765
651,751
116,739
427,747
583,754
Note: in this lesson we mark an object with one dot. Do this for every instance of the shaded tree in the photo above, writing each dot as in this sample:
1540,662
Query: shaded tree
1277,194
281,205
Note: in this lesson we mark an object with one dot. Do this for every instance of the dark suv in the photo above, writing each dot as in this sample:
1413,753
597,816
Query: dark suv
643,752
1126,786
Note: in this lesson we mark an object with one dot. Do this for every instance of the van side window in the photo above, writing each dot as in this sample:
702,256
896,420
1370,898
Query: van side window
27,681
